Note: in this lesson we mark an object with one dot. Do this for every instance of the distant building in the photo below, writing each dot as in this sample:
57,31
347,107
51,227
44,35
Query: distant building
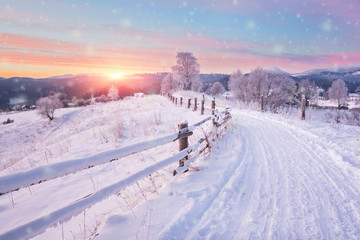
16,108
354,96
25,107
228,94
139,95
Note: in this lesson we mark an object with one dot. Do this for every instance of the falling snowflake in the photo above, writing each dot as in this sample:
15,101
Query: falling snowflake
327,25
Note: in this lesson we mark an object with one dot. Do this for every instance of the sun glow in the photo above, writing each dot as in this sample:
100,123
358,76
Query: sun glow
115,75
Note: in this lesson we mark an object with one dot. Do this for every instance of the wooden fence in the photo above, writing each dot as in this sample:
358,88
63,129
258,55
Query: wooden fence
41,174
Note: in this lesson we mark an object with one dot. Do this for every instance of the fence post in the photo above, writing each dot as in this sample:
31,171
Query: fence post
213,109
183,143
303,109
189,102
195,104
262,103
173,99
202,107
213,106
181,101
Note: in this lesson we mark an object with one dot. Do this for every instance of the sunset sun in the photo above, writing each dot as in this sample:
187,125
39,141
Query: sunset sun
115,75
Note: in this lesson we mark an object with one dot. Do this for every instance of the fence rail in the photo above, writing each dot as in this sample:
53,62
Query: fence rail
24,179
41,174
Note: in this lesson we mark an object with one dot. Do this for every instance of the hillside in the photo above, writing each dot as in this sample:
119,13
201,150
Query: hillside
258,181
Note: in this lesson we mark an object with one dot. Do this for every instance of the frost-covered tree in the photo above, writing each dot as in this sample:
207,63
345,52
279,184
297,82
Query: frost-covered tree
113,93
46,106
197,85
358,91
186,70
257,83
102,98
64,99
308,89
169,84
338,91
238,85
216,89
277,89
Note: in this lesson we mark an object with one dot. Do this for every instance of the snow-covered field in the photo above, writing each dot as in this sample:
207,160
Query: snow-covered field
271,177
333,103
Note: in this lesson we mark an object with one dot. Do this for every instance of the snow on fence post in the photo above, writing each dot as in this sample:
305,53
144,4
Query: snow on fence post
213,110
303,109
262,103
189,102
183,142
195,104
181,100
202,107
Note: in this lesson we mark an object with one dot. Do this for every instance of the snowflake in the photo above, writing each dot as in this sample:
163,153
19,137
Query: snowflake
327,25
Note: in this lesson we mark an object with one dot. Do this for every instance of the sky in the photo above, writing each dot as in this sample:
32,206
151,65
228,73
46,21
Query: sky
115,37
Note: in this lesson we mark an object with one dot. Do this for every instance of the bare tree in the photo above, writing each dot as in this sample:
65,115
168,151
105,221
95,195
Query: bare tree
216,89
169,84
338,91
46,106
186,70
113,93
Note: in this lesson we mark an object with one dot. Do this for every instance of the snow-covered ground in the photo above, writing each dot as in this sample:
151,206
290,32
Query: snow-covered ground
332,103
271,177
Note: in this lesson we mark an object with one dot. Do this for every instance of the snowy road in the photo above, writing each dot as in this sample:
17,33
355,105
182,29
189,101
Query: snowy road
270,180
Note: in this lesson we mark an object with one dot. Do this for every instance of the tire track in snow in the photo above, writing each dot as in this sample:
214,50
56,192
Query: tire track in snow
277,187
340,196
316,192
180,227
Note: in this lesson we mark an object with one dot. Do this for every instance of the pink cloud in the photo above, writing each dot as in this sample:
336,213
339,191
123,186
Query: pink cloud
348,9
214,56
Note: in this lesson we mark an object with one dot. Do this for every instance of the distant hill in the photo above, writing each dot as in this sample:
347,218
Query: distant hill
324,77
19,90
276,70
209,79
